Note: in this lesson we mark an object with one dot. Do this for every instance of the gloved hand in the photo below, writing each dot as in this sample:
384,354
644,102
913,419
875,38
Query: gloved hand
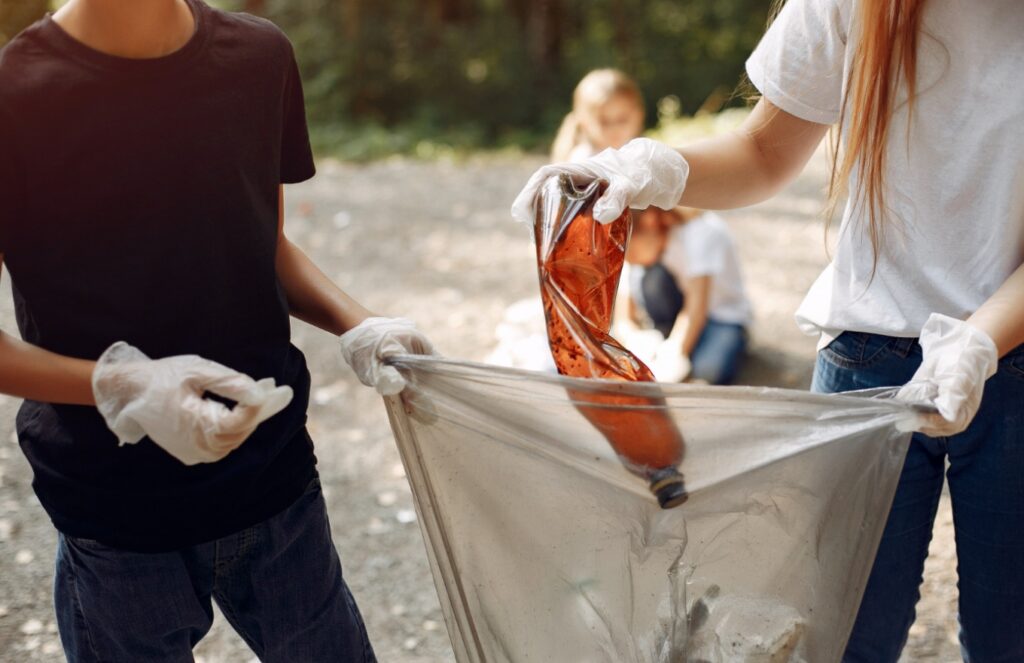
670,364
163,398
366,345
641,173
958,359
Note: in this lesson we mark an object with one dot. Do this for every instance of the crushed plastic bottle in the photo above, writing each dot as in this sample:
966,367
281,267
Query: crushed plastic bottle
579,262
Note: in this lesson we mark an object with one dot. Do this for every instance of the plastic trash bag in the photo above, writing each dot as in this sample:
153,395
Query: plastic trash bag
579,262
545,547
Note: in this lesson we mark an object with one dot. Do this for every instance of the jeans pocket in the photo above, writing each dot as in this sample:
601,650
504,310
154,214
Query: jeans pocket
856,349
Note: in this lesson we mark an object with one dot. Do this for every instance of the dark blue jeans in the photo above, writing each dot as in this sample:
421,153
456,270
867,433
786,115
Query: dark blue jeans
986,486
278,583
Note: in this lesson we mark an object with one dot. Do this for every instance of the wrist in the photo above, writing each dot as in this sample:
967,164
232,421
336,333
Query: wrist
85,371
944,336
347,319
991,325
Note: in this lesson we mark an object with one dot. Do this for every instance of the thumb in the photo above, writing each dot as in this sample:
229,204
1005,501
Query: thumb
612,203
389,381
524,206
255,409
918,391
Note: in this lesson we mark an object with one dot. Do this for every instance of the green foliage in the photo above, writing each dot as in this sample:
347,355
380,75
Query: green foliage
16,15
682,130
394,76
436,77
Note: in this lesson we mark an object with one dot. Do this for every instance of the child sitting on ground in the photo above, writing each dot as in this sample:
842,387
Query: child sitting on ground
682,279
683,251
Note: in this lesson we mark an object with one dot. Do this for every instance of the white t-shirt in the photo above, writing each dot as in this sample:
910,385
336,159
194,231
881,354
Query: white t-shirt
703,246
955,188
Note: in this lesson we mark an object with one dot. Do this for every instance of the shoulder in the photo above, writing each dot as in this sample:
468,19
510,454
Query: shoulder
20,60
253,32
833,13
24,44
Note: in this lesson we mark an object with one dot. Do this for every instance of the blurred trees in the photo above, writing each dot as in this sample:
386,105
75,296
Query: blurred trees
498,71
486,72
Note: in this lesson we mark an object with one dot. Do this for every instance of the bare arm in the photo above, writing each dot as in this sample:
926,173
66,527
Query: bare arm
312,296
1002,315
28,371
690,324
752,163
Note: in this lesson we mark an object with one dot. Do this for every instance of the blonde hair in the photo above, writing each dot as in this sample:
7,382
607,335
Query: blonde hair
885,57
592,92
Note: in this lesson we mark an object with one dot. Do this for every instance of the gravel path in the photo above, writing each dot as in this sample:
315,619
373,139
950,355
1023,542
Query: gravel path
434,242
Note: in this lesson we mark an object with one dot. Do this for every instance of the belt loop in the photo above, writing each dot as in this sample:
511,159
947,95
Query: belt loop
904,346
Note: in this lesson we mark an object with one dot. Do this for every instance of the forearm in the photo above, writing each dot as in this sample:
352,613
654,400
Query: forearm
687,329
312,296
28,371
752,163
727,172
689,325
1002,315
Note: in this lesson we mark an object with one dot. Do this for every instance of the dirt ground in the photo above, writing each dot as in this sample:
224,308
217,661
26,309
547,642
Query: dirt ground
434,242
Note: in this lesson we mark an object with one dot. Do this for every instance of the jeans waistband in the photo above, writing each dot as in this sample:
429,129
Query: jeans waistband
903,346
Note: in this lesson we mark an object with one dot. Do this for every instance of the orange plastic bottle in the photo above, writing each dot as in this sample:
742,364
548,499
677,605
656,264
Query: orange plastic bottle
579,262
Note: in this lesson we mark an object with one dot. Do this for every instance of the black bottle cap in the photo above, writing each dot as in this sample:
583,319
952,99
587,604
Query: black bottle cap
667,485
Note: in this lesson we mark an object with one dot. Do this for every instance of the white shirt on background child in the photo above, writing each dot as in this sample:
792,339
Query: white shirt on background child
703,246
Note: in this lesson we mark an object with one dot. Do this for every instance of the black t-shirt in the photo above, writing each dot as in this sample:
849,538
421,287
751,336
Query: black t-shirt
138,202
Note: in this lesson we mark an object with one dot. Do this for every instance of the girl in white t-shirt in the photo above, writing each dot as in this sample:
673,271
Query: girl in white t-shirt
683,277
926,285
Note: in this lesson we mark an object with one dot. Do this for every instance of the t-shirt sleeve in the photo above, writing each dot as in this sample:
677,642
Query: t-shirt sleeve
296,154
695,249
799,64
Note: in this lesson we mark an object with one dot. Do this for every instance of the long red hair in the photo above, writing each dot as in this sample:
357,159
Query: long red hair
885,57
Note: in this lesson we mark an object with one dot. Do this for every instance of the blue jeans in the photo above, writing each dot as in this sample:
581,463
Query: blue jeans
278,583
986,486
716,357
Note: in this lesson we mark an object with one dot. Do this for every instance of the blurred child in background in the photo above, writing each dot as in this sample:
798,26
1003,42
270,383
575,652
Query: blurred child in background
674,257
682,276
682,279
607,111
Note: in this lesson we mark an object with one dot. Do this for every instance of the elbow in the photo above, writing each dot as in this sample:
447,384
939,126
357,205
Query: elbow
773,171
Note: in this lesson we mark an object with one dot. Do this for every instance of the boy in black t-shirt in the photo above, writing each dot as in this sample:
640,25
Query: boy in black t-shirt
143,146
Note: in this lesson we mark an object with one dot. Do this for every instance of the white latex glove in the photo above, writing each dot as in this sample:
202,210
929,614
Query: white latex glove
163,399
366,345
958,359
670,364
643,343
640,174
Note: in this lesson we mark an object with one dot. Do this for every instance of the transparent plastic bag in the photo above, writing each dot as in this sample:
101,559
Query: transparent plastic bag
545,546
